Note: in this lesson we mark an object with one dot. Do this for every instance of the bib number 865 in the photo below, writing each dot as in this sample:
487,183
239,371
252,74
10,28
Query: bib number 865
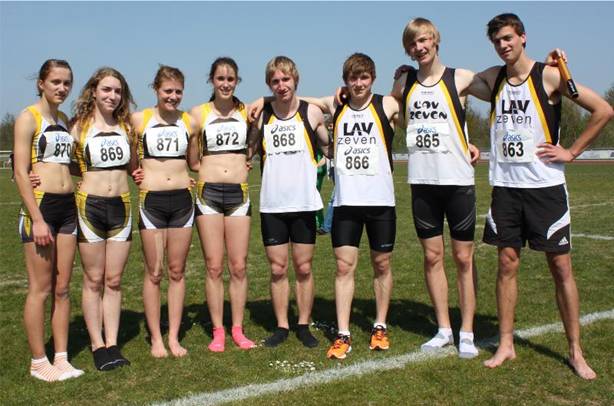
427,140
512,149
357,162
111,153
284,140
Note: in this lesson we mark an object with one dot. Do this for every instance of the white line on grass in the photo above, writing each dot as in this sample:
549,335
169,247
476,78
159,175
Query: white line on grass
359,368
578,235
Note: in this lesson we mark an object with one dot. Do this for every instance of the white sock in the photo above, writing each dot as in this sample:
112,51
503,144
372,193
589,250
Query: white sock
466,347
383,325
344,333
42,369
60,361
442,338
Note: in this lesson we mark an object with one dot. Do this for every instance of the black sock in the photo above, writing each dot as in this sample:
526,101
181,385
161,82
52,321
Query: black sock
102,360
117,357
279,336
303,334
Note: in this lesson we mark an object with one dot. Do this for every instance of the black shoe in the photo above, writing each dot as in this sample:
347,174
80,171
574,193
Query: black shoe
116,356
305,336
102,360
279,336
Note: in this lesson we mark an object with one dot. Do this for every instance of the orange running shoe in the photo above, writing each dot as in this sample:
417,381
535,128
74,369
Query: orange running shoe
341,346
379,338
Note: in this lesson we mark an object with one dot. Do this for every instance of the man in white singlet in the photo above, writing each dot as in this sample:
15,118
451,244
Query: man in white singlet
529,198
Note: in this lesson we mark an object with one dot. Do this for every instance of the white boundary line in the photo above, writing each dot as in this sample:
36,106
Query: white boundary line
359,368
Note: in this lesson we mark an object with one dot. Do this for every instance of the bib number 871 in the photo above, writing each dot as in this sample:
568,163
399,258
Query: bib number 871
512,149
357,162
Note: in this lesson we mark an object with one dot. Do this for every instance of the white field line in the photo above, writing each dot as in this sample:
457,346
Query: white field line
578,235
359,368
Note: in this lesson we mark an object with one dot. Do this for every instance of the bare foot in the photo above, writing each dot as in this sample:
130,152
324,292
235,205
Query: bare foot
176,349
158,350
581,368
503,354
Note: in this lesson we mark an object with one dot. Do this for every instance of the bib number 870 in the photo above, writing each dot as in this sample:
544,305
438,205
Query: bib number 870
111,153
61,149
284,140
357,162
427,140
512,149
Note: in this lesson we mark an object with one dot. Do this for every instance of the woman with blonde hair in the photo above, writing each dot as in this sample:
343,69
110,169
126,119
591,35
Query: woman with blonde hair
47,220
102,132
166,207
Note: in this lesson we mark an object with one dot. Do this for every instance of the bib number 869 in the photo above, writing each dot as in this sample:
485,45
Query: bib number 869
357,162
111,153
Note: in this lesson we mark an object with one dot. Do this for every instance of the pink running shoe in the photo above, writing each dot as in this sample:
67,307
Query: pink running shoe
219,337
240,340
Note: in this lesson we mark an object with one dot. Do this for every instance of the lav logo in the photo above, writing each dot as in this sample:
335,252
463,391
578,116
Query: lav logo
514,106
357,129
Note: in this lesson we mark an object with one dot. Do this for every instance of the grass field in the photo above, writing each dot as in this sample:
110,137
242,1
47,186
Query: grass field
538,375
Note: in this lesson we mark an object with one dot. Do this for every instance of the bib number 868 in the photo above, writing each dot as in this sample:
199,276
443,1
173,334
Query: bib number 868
283,140
357,162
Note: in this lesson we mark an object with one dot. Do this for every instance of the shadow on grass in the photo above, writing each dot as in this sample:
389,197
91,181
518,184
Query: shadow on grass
79,340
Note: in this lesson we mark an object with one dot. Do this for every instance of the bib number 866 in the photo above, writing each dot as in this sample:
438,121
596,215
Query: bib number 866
357,162
512,149
284,140
111,153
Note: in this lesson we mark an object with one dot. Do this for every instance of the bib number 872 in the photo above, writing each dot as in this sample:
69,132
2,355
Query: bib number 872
357,162
111,153
284,140
512,149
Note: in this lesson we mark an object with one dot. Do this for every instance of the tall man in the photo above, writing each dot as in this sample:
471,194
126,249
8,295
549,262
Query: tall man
440,172
529,197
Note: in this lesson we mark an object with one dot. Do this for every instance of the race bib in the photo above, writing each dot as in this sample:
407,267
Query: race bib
428,137
284,137
355,159
58,148
226,136
166,141
107,150
515,145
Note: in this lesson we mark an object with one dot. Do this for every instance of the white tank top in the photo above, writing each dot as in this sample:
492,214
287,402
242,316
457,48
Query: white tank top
51,142
289,167
223,135
521,119
363,162
436,138
103,150
159,140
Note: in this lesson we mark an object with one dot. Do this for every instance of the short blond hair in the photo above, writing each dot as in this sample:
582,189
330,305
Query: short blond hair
419,26
281,63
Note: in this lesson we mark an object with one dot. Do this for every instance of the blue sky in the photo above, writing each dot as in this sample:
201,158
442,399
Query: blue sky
135,37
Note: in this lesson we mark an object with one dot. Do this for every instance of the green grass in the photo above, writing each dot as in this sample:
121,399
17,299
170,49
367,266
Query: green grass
538,375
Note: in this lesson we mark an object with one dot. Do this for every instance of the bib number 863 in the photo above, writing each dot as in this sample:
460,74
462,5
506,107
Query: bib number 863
357,162
512,149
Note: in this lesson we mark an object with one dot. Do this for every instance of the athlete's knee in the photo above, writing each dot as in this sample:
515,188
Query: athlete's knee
215,270
113,282
381,266
154,275
237,268
176,272
40,291
432,258
93,283
62,292
509,260
303,270
345,268
279,270
463,260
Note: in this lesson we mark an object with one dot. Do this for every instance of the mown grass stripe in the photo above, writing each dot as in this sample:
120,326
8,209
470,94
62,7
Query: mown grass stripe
361,368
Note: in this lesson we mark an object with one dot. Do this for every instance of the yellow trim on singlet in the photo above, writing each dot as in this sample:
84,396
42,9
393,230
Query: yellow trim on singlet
205,109
345,107
147,115
379,125
407,99
80,150
459,130
185,117
307,140
38,118
540,111
497,97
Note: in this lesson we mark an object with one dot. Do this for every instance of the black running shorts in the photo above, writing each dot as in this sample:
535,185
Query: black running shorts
380,222
280,228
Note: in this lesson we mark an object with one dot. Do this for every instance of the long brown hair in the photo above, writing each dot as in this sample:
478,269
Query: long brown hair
221,61
84,106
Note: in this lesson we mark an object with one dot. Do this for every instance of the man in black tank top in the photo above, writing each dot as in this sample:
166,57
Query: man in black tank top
506,32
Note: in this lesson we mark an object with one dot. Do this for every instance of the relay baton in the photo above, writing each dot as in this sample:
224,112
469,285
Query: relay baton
571,86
